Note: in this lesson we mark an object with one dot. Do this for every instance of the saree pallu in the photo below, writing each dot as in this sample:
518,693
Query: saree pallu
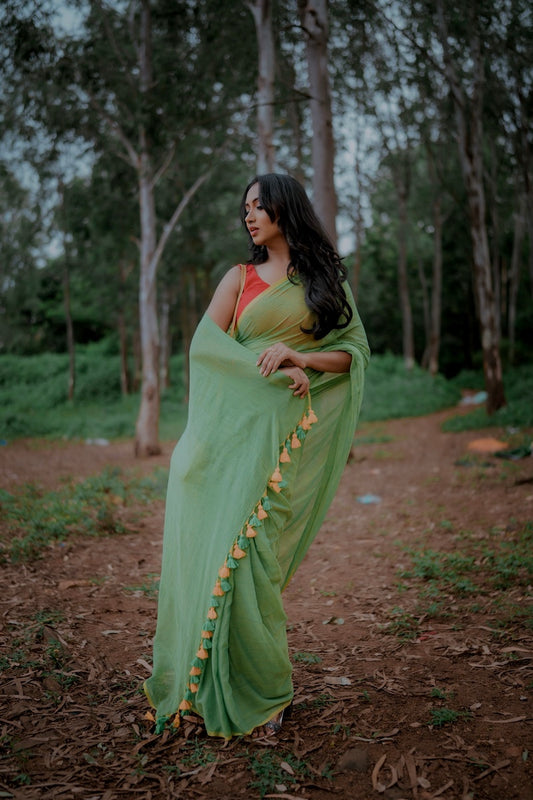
250,482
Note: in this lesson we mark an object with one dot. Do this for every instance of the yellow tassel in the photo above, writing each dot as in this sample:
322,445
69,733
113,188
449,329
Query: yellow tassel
295,442
217,590
237,552
274,486
185,705
276,476
176,721
201,653
312,416
212,614
206,634
149,716
224,572
250,532
193,687
193,671
285,457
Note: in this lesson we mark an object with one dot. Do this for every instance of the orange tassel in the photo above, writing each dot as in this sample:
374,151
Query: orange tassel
206,634
261,513
250,532
194,671
274,486
201,653
212,614
193,687
312,416
176,722
185,705
149,716
276,476
217,590
295,442
237,552
305,424
224,572
285,457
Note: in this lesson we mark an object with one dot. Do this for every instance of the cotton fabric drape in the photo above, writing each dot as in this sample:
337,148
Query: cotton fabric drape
250,482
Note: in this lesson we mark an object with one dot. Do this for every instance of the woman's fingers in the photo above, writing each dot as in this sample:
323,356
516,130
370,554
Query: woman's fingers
273,357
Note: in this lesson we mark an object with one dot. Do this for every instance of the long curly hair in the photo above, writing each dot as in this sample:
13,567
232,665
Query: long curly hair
313,259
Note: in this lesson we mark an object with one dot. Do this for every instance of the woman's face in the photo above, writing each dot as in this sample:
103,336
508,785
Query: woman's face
261,228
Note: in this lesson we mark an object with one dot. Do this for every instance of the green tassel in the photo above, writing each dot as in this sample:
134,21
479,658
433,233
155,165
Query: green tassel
300,433
196,662
160,724
215,602
207,644
209,625
267,505
282,484
225,585
194,679
243,542
254,521
232,564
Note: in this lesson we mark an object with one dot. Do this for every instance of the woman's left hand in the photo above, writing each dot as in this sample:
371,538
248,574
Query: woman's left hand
276,356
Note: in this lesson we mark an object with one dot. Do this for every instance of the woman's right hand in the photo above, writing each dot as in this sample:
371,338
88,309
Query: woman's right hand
300,381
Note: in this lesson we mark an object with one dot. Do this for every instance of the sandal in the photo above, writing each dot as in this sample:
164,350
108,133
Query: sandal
273,725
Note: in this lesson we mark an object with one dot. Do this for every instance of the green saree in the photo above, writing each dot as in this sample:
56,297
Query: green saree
250,482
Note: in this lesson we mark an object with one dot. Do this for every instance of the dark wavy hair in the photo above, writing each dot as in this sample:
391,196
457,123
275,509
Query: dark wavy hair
313,259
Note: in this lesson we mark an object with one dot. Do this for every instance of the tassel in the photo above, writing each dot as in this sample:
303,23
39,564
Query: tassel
205,634
149,716
237,552
305,424
312,416
265,502
185,705
284,457
243,542
254,520
176,723
282,484
261,513
201,653
215,602
232,564
209,625
194,679
276,475
207,644
194,671
188,694
196,662
225,585
295,442
193,687
274,486
224,572
250,533
212,614
217,590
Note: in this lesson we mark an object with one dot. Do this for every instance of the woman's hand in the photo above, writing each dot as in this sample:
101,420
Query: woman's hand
279,355
300,381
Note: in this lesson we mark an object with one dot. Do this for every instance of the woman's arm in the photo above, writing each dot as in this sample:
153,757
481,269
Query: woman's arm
279,355
222,305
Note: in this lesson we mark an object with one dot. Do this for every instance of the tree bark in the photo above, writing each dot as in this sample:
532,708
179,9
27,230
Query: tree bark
147,427
164,352
436,290
470,141
70,330
122,334
262,14
314,19
403,283
514,277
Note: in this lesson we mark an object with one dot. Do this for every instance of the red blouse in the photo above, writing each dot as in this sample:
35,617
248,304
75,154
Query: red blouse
253,286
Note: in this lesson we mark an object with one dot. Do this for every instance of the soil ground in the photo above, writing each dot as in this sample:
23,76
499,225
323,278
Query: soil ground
395,697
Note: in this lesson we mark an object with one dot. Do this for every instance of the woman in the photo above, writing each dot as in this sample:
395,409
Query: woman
256,468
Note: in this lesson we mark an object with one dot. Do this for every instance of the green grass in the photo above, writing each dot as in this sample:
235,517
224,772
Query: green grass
271,769
97,506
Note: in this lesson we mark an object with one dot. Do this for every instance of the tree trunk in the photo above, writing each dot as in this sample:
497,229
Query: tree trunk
122,334
425,308
147,427
359,222
403,283
314,19
70,329
436,290
262,14
470,142
514,278
164,353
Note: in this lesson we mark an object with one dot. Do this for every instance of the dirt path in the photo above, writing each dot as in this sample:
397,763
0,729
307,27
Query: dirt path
398,694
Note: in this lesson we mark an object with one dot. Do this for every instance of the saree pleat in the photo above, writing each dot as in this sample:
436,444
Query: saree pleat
250,482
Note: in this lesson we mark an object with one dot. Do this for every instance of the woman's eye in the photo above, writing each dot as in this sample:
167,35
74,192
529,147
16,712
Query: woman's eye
259,208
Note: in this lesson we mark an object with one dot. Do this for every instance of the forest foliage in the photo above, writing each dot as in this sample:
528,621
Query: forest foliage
82,124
